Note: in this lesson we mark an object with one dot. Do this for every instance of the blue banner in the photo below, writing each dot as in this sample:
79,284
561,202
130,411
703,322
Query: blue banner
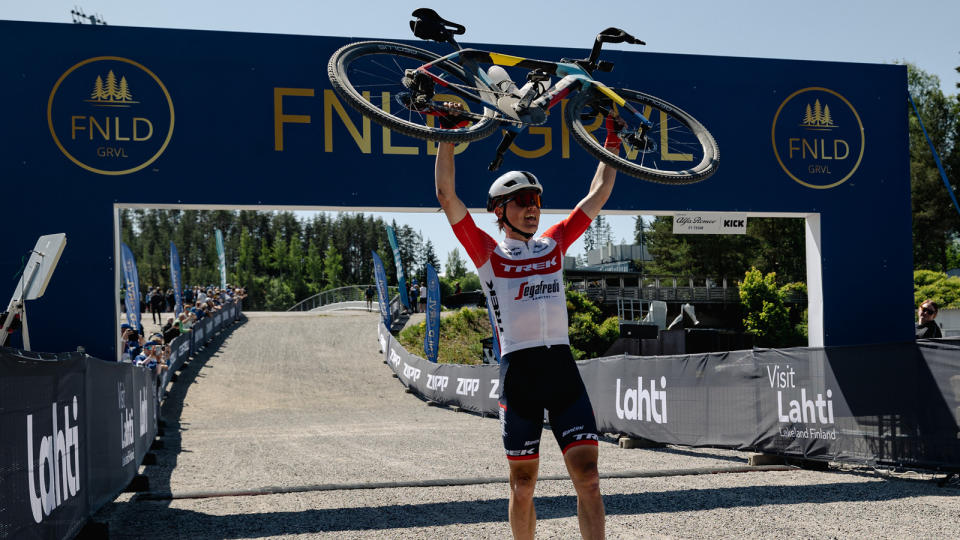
496,336
431,338
223,259
382,291
175,279
401,278
131,281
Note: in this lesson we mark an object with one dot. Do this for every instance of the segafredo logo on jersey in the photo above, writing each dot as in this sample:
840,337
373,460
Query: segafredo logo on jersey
818,138
795,405
532,291
54,471
110,115
641,404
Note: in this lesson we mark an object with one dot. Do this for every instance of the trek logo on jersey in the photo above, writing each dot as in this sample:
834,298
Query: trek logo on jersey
509,268
495,304
538,290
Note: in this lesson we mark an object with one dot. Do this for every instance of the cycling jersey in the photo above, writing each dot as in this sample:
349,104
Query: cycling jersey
523,281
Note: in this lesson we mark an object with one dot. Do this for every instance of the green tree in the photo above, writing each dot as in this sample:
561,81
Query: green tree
313,268
936,286
430,257
279,296
332,268
456,267
935,220
765,312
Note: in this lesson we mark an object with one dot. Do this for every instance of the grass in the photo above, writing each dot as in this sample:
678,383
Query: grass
460,337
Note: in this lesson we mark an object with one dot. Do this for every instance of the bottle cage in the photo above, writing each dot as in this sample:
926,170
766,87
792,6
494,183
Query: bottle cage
431,26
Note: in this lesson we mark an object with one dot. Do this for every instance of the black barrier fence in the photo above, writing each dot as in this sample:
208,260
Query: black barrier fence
74,430
884,405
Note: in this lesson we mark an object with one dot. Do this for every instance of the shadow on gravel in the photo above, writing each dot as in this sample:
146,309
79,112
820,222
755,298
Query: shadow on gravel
172,408
404,516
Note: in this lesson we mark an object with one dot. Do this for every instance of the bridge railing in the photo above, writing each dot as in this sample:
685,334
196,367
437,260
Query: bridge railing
350,293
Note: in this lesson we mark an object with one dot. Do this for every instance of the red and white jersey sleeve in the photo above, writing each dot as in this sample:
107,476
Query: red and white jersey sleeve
523,281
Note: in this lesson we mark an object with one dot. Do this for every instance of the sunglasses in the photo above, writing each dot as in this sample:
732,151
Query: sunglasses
526,198
927,311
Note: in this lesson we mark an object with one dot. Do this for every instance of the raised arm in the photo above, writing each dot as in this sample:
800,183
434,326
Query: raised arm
600,189
445,174
603,179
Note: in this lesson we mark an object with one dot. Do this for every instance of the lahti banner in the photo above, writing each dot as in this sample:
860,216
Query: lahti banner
401,278
223,259
131,282
431,338
384,294
175,279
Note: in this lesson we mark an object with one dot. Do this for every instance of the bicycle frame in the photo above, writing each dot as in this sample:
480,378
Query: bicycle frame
572,78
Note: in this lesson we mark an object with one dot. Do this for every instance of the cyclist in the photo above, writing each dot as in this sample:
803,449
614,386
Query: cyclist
523,279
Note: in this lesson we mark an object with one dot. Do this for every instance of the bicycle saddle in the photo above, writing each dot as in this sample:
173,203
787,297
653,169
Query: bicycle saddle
616,35
429,25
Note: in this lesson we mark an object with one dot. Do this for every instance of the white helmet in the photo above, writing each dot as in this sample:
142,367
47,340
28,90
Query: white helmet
510,183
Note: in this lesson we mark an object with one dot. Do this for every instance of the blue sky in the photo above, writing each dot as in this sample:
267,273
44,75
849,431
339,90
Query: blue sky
923,32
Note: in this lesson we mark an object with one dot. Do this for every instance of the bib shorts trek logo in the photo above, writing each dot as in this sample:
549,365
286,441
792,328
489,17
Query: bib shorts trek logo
818,138
110,115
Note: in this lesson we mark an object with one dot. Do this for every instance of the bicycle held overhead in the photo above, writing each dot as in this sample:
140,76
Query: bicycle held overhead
408,89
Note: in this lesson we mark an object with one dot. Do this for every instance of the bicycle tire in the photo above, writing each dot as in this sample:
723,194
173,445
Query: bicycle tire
379,66
695,137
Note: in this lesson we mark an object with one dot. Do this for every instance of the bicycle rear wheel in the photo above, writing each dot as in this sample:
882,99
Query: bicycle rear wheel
677,149
369,75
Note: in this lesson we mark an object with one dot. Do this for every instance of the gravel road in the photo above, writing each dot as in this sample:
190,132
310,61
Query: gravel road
302,404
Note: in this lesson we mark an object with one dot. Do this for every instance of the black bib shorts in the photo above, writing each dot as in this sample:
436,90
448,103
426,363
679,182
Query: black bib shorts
539,378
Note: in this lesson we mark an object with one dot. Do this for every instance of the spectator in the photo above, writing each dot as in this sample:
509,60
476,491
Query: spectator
457,290
170,331
156,305
927,327
412,296
132,342
154,357
187,295
369,296
171,301
183,323
423,297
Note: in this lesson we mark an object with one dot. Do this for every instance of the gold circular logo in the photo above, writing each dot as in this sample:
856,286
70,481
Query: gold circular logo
110,115
818,138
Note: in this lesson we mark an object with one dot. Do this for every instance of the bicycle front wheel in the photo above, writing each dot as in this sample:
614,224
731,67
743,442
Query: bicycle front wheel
676,150
369,76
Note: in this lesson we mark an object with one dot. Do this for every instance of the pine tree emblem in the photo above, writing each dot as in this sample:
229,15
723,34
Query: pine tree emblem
818,117
111,93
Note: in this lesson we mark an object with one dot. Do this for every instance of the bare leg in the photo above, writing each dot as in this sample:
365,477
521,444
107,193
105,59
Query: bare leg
582,465
523,480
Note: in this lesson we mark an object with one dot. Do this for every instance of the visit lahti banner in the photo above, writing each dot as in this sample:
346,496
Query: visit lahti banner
431,337
131,282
